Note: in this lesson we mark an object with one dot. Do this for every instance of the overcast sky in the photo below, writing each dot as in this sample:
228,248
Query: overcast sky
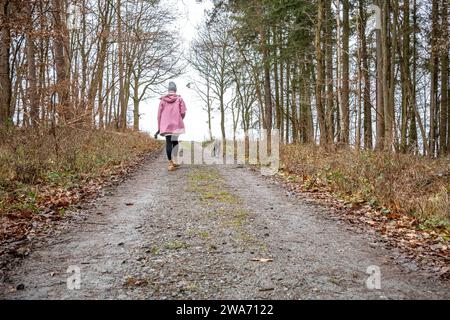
190,15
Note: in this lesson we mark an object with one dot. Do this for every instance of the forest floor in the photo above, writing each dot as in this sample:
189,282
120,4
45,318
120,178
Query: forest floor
212,232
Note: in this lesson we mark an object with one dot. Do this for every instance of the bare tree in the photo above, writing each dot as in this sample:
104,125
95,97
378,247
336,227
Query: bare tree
211,55
61,49
5,76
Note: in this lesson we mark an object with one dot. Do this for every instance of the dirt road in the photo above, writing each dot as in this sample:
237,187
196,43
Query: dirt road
217,232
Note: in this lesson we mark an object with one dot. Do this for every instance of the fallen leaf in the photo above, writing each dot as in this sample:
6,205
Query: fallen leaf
131,281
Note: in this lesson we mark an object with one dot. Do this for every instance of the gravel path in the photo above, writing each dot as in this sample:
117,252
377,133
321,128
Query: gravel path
217,232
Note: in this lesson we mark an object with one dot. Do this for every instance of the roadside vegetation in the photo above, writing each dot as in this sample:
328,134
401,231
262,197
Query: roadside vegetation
42,173
396,184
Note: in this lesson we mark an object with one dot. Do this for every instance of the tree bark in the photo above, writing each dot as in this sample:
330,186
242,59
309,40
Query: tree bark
5,77
405,67
444,120
61,59
136,104
380,89
412,137
386,76
294,106
31,64
122,101
434,75
288,101
329,73
319,76
277,83
345,103
368,140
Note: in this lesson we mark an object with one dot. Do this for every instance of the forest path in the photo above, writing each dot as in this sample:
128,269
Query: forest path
204,232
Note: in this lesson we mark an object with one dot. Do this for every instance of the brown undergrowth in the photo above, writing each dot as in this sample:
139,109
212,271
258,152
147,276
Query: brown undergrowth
42,173
404,197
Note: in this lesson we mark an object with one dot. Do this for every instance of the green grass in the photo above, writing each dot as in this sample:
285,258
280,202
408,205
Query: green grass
208,183
154,250
224,206
176,245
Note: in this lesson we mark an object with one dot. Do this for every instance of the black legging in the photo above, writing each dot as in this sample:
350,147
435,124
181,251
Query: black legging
171,144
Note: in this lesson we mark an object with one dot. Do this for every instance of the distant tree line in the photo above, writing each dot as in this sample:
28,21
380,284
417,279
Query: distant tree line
83,63
322,72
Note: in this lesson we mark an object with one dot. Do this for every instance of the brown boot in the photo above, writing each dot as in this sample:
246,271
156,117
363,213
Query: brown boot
171,166
176,165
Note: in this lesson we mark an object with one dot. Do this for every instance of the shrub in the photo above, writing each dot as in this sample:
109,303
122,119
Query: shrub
395,182
32,160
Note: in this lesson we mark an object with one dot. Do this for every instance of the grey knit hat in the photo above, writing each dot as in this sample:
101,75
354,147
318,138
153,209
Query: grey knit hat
172,86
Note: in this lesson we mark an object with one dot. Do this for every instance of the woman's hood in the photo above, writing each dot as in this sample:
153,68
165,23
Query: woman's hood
170,98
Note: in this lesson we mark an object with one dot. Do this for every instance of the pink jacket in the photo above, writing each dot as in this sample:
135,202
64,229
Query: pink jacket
172,110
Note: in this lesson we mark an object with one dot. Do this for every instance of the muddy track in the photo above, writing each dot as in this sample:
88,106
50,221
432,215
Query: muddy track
216,232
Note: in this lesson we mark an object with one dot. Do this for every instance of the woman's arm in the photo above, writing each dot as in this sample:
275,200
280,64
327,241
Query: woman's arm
159,114
182,108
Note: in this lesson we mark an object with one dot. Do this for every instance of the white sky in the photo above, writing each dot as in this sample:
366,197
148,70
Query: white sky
190,14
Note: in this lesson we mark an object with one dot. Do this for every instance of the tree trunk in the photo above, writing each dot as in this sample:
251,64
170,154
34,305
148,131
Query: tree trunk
405,69
209,108
42,57
392,43
345,103
5,77
61,59
281,76
31,64
368,140
329,73
97,81
288,100
444,121
136,104
412,137
380,89
319,76
263,46
122,101
293,115
434,76
277,84
359,91
267,96
306,109
386,73
222,125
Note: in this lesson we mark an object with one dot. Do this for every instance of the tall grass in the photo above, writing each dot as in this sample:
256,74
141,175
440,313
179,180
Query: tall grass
399,183
31,159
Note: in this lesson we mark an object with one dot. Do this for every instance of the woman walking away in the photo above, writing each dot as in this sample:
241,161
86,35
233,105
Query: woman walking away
172,111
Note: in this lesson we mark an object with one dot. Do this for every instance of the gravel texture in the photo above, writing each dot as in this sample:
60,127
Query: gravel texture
212,232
